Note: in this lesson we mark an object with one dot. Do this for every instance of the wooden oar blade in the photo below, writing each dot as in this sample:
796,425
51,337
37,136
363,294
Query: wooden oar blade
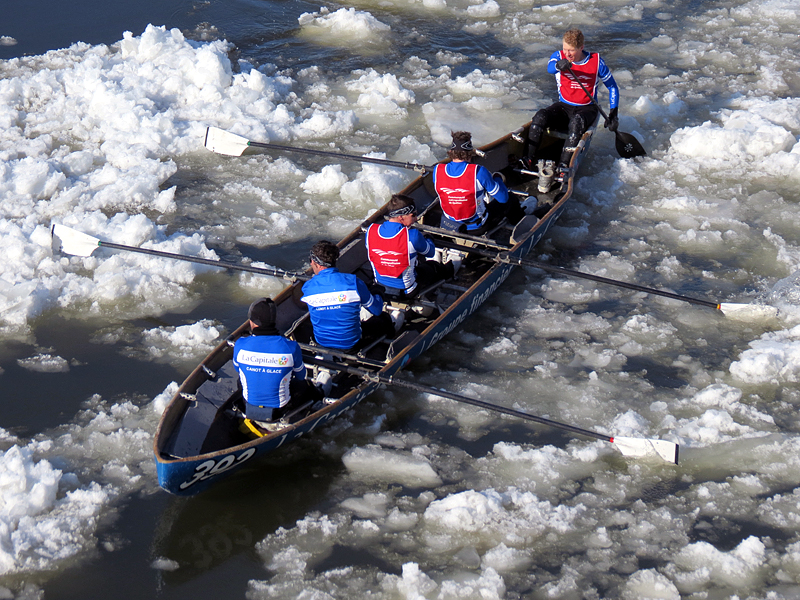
224,142
74,242
639,447
628,146
748,312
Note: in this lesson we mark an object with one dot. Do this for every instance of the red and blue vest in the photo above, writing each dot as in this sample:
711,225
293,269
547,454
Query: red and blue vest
569,90
389,256
458,195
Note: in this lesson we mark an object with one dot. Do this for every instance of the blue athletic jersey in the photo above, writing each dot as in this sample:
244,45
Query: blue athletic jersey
484,184
417,244
603,72
265,364
334,302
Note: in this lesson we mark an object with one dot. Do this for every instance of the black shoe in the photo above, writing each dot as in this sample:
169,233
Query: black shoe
561,172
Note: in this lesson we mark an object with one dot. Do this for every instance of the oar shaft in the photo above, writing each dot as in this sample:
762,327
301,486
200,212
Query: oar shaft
624,284
461,236
206,261
378,161
627,145
494,407
591,98
526,262
389,380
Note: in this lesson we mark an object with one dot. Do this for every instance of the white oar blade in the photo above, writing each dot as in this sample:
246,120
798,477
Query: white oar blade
748,312
639,447
74,242
224,142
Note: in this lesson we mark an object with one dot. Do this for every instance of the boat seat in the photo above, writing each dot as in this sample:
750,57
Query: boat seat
459,289
286,419
262,428
521,229
402,341
394,296
362,352
502,224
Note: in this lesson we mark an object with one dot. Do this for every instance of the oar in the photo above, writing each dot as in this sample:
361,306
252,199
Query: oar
230,144
627,145
729,309
81,244
628,446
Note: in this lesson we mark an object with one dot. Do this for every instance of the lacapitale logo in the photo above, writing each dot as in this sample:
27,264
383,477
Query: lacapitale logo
263,359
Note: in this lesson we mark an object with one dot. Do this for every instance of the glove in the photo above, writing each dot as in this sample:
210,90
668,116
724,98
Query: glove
562,64
612,121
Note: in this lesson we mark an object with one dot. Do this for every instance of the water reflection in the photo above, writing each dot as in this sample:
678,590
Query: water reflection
202,533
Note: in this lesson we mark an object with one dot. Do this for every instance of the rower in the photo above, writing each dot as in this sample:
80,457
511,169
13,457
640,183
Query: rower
398,252
576,70
335,301
463,187
272,375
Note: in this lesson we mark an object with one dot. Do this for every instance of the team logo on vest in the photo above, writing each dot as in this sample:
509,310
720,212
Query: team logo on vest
389,256
386,253
323,299
262,359
460,192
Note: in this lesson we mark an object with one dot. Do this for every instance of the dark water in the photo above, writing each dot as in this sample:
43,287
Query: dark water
211,537
42,25
214,536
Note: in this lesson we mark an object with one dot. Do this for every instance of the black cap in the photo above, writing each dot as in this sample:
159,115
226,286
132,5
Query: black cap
262,312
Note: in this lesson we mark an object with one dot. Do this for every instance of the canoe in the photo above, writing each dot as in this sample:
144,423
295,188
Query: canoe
200,440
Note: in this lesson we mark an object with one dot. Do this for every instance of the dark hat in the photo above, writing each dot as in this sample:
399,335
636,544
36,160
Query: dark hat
262,312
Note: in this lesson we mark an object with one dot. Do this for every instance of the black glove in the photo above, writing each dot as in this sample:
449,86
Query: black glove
612,121
562,64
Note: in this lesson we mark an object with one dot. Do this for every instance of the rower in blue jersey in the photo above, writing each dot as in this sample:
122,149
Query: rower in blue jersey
398,252
463,188
335,300
575,110
271,370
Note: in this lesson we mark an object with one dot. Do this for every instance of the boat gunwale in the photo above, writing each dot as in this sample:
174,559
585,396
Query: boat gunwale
177,404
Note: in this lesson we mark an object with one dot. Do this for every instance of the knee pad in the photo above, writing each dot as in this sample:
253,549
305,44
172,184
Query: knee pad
539,120
535,133
576,130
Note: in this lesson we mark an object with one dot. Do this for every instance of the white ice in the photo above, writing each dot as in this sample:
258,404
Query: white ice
92,135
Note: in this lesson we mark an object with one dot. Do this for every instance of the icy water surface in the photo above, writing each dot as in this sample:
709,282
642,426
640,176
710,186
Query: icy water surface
412,496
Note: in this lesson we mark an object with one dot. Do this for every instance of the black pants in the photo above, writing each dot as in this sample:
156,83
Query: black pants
373,328
575,119
496,211
300,390
427,272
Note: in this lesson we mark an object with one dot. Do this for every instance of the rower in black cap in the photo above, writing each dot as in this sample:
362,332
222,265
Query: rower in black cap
270,366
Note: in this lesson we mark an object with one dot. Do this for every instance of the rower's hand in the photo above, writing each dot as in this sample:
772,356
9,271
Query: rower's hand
612,121
562,64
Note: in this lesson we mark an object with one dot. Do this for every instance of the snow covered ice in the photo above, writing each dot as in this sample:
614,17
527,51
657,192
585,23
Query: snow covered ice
447,501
